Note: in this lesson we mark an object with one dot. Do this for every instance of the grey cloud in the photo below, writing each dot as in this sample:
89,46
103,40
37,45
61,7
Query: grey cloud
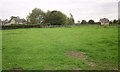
81,9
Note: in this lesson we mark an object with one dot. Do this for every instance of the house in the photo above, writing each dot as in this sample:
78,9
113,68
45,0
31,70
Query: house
22,21
15,20
5,22
104,21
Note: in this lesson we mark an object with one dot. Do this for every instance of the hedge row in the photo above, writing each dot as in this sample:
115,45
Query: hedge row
16,26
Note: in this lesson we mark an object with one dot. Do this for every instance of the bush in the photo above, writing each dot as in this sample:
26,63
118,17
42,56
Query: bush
56,18
16,26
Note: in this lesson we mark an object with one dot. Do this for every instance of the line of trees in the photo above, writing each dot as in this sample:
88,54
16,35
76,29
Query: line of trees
57,18
115,21
50,17
89,22
93,22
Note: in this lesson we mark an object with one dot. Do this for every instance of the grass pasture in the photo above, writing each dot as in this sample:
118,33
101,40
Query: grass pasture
76,48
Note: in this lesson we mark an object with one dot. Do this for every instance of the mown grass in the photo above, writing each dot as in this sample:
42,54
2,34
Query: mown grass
47,48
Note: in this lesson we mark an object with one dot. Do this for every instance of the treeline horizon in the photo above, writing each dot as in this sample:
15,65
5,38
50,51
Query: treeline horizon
56,17
53,17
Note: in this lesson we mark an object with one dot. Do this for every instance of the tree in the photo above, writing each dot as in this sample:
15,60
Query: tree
97,23
78,22
36,16
56,18
91,22
71,20
83,22
115,21
46,18
110,22
118,21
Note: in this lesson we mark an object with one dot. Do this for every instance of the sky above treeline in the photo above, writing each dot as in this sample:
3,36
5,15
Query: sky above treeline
80,9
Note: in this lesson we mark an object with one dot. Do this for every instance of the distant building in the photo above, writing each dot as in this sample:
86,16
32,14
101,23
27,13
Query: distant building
104,21
14,20
5,22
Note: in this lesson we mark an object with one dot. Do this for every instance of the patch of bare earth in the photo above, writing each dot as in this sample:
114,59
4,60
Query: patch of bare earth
75,54
82,56
78,68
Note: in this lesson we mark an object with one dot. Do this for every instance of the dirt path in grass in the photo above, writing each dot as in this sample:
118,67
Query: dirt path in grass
82,56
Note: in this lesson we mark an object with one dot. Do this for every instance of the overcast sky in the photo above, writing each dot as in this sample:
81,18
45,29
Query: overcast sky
80,9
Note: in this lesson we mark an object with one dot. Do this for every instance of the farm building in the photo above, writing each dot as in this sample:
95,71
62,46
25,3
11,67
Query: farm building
15,20
104,21
5,22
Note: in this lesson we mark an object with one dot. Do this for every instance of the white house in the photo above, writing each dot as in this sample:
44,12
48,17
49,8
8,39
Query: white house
15,20
104,21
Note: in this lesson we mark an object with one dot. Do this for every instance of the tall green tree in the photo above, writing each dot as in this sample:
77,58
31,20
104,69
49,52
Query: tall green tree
56,18
71,19
115,21
36,16
46,18
110,22
83,22
91,22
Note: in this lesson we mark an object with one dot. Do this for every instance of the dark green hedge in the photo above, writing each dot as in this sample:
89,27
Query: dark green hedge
16,26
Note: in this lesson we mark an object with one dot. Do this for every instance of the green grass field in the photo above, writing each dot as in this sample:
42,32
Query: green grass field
76,48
